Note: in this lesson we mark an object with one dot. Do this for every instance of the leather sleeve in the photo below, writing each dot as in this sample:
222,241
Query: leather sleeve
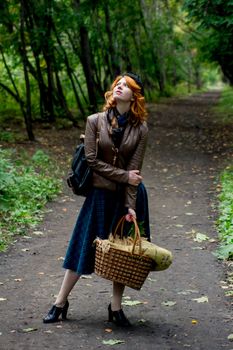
99,166
136,164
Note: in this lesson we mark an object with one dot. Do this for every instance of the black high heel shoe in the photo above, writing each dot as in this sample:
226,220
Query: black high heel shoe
118,317
55,312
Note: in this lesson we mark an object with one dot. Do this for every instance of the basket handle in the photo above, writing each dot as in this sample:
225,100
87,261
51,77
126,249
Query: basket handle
137,236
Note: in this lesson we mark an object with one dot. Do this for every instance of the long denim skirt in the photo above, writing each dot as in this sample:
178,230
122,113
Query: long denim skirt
98,217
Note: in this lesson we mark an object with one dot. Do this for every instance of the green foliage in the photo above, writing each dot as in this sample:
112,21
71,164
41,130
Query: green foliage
216,24
131,229
225,220
224,108
7,136
75,48
26,185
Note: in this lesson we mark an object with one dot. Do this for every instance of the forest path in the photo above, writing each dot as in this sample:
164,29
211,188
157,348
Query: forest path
183,307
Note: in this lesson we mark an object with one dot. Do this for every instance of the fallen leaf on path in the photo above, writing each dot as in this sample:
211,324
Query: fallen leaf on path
132,302
152,279
224,287
188,291
141,320
203,299
230,337
113,342
28,330
169,303
200,237
179,225
229,293
108,330
193,232
194,321
212,240
38,233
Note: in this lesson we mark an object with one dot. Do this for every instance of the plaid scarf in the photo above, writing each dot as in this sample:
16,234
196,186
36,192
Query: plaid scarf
118,124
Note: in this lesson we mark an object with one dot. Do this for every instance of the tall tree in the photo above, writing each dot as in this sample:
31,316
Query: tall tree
86,58
216,22
28,114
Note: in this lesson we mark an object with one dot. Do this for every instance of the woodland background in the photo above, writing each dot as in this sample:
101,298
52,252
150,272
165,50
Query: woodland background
58,57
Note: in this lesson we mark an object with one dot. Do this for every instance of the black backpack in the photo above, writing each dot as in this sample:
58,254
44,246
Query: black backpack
80,179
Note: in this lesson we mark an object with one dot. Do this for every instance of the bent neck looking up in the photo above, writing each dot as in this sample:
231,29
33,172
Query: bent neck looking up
123,107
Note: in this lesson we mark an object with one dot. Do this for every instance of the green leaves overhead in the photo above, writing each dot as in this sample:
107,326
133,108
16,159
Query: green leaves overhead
73,50
215,22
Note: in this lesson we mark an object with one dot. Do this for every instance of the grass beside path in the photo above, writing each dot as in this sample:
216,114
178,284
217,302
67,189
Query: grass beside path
26,185
223,113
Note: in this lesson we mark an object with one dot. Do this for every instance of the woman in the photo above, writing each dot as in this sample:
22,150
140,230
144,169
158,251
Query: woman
117,188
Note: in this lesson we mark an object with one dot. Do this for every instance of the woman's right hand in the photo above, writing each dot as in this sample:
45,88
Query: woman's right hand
134,177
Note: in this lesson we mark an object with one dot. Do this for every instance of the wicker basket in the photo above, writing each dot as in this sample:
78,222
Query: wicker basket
121,266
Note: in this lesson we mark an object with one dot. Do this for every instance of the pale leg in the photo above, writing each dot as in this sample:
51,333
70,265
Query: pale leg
68,283
118,290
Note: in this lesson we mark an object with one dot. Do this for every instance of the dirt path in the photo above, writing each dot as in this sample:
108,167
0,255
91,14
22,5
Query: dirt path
183,158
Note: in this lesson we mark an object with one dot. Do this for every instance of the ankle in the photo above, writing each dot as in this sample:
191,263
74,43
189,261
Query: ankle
115,306
60,303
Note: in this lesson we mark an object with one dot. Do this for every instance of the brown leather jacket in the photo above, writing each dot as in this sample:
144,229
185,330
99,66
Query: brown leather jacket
129,157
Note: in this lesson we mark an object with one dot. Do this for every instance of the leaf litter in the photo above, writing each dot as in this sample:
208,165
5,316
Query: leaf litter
169,303
113,342
132,302
203,299
200,237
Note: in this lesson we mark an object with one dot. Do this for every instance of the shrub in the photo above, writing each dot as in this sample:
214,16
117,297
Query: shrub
26,185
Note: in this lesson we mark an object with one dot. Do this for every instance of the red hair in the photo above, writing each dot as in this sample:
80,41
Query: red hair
137,107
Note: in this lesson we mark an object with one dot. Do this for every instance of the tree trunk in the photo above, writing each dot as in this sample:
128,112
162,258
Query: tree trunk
115,69
159,73
48,56
69,72
197,76
76,51
87,67
36,48
28,115
87,61
62,100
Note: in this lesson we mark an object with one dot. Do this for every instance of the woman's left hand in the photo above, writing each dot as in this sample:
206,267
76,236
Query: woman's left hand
131,215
